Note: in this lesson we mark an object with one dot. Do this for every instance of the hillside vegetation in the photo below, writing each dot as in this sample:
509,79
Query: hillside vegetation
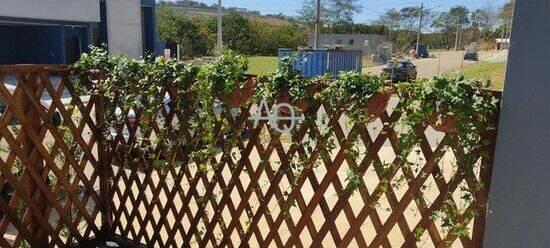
197,33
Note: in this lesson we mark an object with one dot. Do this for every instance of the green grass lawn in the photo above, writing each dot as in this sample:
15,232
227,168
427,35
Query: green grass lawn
262,65
367,62
486,70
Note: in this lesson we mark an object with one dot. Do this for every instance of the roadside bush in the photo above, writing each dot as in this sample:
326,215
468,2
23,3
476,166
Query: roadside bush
179,28
268,38
197,34
237,33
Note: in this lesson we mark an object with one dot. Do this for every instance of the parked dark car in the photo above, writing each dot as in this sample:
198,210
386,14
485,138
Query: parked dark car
423,51
471,55
399,71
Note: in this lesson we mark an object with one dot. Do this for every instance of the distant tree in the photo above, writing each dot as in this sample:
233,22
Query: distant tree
410,18
475,28
343,11
334,13
307,14
197,33
403,25
459,15
483,23
178,28
268,38
507,11
208,29
435,40
187,3
360,28
237,33
167,23
390,19
505,15
453,21
278,16
488,18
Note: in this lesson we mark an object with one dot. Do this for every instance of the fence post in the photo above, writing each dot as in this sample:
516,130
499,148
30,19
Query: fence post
486,174
104,168
35,159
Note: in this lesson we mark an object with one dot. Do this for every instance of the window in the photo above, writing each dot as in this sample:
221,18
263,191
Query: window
366,43
339,42
352,41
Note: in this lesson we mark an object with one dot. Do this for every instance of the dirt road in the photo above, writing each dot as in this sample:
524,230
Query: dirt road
445,62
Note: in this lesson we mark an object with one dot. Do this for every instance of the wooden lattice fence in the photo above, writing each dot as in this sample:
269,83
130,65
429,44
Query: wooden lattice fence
62,183
49,166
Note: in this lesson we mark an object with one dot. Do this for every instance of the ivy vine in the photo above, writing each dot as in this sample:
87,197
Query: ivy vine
457,106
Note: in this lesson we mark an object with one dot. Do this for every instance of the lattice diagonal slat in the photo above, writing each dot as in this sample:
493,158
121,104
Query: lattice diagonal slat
254,197
62,183
48,158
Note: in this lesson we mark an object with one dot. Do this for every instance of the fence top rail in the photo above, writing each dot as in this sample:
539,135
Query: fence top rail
49,68
33,68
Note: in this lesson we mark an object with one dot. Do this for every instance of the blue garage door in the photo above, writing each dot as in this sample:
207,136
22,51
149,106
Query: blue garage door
41,44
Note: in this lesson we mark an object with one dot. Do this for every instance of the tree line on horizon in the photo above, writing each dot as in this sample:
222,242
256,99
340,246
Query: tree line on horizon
454,28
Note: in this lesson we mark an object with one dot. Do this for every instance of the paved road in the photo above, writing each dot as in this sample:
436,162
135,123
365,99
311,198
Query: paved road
447,61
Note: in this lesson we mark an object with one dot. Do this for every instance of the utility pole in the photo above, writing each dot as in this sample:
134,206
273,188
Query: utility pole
220,40
456,39
317,25
419,28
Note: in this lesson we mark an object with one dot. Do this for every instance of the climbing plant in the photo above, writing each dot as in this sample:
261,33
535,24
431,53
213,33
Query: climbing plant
453,105
142,88
352,91
131,87
456,106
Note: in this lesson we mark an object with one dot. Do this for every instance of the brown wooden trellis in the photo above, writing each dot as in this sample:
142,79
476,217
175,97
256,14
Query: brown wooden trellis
243,202
52,199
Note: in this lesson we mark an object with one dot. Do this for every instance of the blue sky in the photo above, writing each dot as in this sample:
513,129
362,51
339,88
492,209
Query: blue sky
371,8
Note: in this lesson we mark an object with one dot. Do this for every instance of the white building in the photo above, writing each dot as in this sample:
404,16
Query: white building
368,43
58,31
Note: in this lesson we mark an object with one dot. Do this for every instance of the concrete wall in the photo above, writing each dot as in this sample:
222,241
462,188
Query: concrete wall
124,27
519,207
59,10
358,44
